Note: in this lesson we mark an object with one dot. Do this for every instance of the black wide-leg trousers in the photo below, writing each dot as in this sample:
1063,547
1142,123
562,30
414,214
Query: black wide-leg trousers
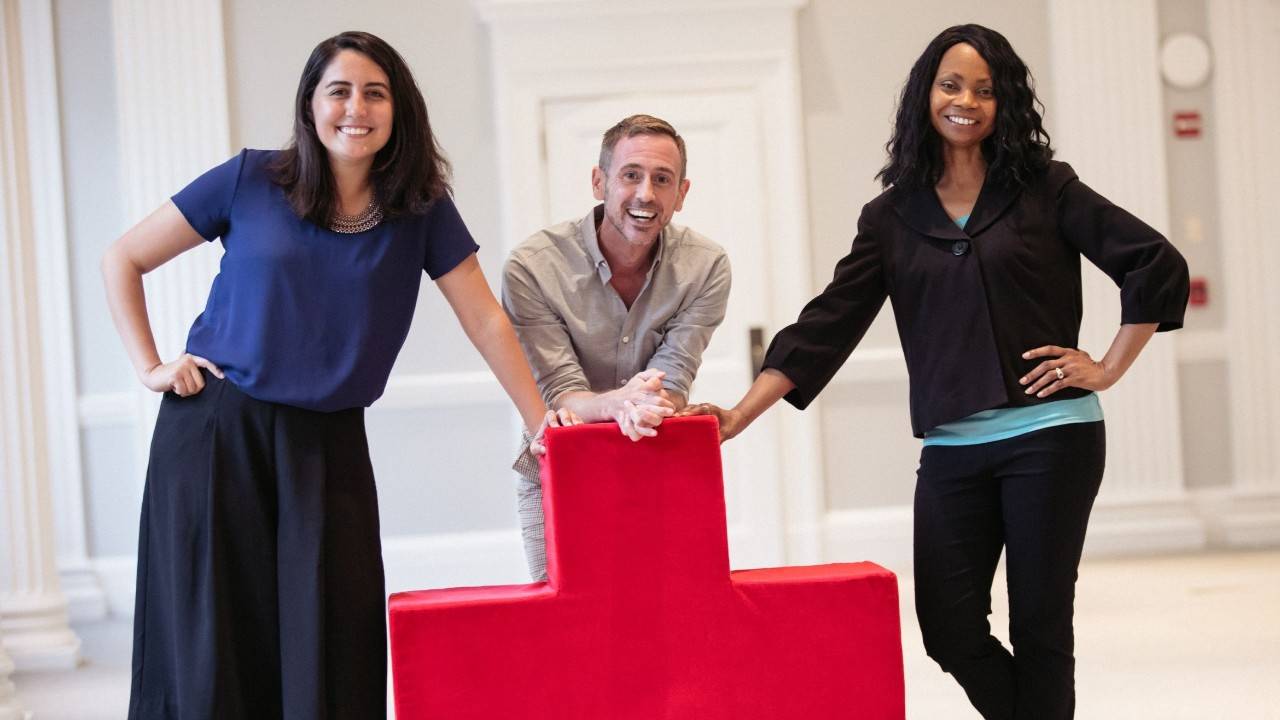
260,586
1030,495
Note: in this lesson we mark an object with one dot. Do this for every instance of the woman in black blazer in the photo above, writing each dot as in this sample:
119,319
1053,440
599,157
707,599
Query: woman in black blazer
977,242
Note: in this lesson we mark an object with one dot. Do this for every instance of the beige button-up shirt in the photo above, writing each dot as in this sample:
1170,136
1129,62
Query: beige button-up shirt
578,333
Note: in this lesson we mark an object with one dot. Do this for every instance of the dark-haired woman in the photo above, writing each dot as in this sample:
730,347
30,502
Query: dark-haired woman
260,584
977,244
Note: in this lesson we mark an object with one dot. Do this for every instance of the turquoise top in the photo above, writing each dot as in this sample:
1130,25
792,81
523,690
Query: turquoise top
987,426
1003,423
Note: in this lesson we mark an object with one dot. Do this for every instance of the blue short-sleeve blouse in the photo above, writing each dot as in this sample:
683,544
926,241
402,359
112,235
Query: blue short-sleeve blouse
299,314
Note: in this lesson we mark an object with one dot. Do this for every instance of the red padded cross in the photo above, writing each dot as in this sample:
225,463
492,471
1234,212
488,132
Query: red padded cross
641,618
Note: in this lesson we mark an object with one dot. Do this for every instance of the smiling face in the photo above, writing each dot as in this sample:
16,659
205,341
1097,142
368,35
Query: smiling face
641,189
962,101
352,109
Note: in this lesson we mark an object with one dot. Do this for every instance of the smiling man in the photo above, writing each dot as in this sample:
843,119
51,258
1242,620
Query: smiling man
614,310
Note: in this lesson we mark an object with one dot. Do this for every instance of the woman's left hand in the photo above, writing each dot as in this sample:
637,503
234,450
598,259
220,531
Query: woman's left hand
1067,367
554,418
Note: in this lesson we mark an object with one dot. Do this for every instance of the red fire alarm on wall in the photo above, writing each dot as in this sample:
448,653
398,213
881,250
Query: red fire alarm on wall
1187,124
1199,292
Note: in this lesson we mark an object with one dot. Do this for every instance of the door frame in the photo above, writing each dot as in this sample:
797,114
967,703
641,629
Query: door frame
546,50
728,205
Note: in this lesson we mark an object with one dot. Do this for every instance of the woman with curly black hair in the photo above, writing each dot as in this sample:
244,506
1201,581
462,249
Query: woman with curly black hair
977,242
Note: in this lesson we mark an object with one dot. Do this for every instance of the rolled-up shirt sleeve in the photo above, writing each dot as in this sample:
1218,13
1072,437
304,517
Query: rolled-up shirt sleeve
1150,272
543,335
687,334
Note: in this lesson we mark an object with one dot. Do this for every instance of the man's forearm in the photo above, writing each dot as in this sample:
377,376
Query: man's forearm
591,407
644,391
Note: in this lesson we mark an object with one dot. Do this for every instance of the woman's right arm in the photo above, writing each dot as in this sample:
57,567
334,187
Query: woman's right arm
770,387
805,355
162,236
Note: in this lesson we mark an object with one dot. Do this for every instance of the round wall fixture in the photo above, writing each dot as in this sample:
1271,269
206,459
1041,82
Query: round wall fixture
1185,60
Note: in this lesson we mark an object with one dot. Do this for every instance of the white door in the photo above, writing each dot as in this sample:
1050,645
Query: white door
727,202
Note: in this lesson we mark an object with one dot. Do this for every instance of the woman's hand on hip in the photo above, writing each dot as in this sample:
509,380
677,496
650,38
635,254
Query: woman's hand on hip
1064,368
181,376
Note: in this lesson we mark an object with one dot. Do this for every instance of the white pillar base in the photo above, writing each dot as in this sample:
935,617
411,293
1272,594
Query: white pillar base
37,634
9,709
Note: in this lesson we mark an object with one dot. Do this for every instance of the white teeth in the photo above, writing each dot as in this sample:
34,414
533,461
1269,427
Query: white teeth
641,214
353,130
961,121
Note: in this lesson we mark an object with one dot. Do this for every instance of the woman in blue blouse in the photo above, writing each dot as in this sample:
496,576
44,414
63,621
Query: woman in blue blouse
977,243
260,584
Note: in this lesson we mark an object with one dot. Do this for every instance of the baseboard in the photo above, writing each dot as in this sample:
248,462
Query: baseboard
1144,527
880,535
1240,519
884,535
117,575
491,557
1197,521
86,600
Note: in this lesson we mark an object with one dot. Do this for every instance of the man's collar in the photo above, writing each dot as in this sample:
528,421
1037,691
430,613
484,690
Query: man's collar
590,236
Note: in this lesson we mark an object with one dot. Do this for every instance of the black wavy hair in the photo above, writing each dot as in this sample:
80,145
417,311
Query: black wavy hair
1016,152
408,173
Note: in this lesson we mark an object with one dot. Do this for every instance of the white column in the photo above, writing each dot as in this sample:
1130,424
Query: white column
1105,116
1245,37
33,610
171,80
48,225
9,708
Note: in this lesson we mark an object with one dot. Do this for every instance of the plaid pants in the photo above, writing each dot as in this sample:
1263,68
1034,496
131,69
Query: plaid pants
529,508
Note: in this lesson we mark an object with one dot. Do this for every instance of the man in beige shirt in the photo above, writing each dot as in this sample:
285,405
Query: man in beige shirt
614,310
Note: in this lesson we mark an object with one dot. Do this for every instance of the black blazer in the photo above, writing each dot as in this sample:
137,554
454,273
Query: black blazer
969,302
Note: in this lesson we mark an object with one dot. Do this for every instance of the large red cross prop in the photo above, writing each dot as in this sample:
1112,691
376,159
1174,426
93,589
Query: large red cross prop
641,618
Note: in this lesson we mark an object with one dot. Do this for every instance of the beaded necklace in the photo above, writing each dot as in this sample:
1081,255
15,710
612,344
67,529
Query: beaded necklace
349,224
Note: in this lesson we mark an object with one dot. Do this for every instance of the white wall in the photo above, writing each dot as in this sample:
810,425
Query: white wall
1195,227
86,92
442,469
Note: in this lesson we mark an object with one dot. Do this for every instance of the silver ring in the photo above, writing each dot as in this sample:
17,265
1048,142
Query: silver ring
1059,372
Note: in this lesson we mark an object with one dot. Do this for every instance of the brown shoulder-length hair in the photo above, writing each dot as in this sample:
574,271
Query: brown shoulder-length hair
408,173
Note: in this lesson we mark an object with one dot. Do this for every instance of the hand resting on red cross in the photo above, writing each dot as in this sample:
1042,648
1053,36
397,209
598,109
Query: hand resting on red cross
639,406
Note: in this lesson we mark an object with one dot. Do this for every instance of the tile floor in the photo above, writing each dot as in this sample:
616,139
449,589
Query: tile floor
1189,637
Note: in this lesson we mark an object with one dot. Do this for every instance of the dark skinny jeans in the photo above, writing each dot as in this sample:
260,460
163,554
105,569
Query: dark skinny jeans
1030,496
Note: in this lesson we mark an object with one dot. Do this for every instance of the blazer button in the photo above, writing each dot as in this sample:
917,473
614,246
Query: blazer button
960,247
